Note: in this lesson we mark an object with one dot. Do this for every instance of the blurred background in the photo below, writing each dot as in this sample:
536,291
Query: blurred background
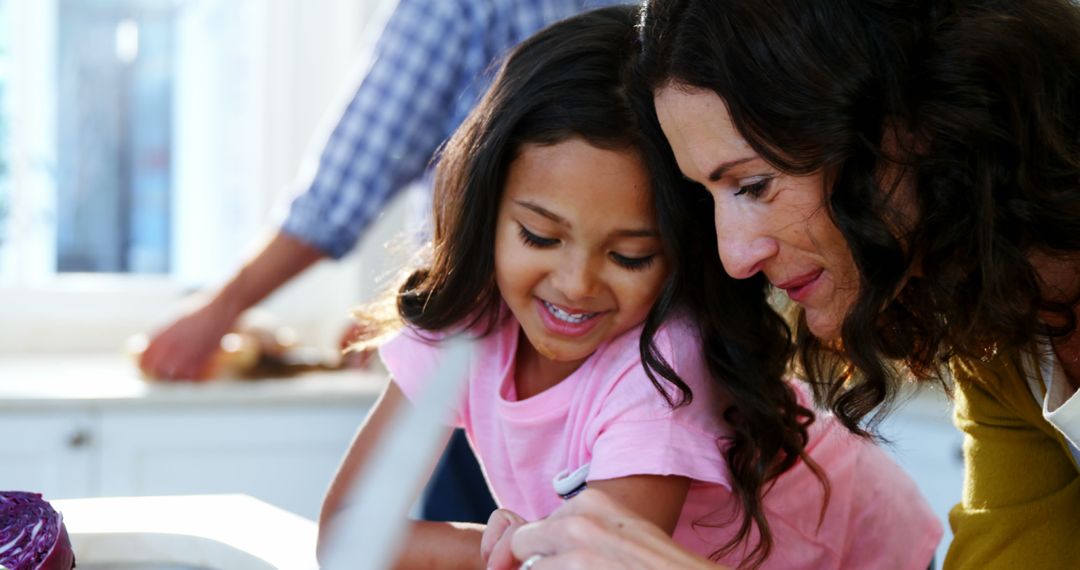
142,144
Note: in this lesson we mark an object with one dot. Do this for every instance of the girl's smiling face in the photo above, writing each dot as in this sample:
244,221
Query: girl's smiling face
578,256
766,221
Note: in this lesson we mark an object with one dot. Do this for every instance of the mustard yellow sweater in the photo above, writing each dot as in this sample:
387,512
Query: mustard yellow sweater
1021,500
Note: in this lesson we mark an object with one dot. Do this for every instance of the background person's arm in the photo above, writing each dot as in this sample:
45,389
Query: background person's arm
183,349
377,146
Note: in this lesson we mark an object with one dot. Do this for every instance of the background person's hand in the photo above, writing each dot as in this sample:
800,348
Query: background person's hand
495,544
591,531
184,349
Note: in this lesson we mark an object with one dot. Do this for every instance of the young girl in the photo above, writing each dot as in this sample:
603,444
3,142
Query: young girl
598,358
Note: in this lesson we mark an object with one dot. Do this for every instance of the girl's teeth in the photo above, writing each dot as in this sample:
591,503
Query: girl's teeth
568,317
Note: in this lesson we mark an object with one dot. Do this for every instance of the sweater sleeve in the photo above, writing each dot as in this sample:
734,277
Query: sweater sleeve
1021,498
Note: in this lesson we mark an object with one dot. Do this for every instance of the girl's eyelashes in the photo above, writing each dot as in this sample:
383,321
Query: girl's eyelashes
532,240
754,187
633,263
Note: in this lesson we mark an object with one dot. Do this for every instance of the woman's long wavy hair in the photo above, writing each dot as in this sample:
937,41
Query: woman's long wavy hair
575,79
974,104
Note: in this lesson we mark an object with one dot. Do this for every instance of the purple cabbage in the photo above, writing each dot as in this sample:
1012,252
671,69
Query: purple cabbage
32,534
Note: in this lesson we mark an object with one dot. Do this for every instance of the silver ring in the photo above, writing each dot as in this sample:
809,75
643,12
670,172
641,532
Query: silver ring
528,564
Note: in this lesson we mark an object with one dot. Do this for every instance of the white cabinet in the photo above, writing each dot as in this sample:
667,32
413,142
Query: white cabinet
49,452
67,434
284,456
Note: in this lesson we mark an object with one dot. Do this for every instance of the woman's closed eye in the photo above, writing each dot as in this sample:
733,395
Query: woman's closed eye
754,187
532,240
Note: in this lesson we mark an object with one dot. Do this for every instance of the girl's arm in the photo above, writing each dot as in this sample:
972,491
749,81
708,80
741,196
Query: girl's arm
361,447
653,501
656,498
429,544
593,531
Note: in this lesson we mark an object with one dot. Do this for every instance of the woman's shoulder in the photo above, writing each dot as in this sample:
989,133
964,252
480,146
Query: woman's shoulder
1019,471
998,380
988,369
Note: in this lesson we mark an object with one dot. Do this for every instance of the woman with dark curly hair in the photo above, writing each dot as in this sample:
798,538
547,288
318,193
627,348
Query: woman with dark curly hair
908,173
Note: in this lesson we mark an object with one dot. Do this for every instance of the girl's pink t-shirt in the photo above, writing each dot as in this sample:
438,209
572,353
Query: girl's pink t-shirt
609,416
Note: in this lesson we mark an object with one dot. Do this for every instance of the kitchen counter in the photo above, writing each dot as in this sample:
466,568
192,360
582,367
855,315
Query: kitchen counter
87,425
79,380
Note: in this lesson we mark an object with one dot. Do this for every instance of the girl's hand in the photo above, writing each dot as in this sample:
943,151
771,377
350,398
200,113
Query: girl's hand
495,544
591,531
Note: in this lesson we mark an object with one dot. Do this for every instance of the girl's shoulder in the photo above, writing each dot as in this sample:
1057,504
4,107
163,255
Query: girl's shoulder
679,341
676,339
416,349
620,366
413,355
680,326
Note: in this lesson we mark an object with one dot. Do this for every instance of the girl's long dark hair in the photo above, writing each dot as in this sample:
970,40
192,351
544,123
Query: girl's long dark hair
973,103
575,79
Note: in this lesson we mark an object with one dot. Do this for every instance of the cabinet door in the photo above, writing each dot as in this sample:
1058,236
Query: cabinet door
49,452
282,455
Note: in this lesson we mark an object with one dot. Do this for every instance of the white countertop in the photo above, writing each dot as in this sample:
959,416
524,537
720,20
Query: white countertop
111,380
234,532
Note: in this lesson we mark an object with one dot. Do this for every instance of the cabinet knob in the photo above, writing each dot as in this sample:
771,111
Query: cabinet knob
79,439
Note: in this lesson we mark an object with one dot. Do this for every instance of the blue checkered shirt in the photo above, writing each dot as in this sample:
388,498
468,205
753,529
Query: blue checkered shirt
430,65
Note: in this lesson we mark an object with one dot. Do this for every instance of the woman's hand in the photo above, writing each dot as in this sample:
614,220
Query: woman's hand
591,531
495,544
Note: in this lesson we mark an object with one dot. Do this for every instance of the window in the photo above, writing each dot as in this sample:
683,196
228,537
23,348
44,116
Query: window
129,160
101,101
143,146
5,148
114,132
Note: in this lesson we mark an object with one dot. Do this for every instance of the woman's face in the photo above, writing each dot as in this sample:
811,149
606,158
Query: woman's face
766,221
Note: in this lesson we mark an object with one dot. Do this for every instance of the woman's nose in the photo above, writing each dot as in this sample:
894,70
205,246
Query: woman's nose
743,243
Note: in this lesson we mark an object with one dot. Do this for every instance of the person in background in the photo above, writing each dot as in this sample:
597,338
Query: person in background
429,67
596,358
908,173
